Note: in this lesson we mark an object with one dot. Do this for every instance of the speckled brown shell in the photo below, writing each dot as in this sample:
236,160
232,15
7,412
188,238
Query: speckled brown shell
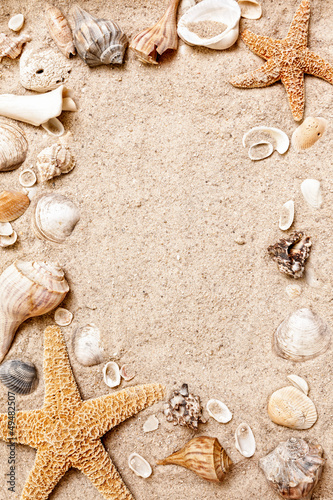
60,31
12,205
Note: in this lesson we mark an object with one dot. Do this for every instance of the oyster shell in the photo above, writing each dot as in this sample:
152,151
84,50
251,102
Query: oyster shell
86,346
53,161
98,41
244,440
308,133
43,70
250,9
27,178
60,30
12,205
299,383
301,336
13,146
139,465
287,215
311,191
219,411
15,23
291,252
63,317
18,376
294,468
111,374
12,47
184,409
278,138
151,424
290,407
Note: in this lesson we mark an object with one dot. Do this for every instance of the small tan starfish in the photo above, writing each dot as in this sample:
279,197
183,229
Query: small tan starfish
287,60
66,431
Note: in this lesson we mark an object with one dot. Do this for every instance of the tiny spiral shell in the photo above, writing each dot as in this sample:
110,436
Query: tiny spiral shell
53,161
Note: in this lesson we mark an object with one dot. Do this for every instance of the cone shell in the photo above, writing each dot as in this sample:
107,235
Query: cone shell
60,30
12,47
204,456
43,70
307,134
290,407
12,205
18,376
13,146
53,161
98,41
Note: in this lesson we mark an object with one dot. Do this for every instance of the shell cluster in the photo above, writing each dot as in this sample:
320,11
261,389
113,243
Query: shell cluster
291,252
184,409
43,70
13,146
53,161
18,376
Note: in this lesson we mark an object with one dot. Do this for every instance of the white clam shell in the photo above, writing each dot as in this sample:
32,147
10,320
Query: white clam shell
291,408
63,317
308,133
223,11
260,150
27,178
6,229
244,440
287,215
279,139
87,345
7,241
250,9
299,383
151,424
111,374
13,146
311,191
139,465
293,290
15,23
219,411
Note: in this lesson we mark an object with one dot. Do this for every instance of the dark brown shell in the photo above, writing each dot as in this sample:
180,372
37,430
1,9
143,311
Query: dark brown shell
291,252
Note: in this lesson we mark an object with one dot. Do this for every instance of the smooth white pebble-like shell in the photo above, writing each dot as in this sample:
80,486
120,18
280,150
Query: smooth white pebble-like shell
63,317
6,229
244,440
219,411
111,374
27,178
151,424
293,290
7,241
15,23
139,465
250,9
287,215
311,191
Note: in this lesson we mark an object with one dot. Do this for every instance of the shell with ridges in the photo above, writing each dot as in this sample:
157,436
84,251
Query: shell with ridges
18,376
308,133
250,9
299,383
60,30
287,215
311,191
290,407
12,205
43,70
13,146
86,346
244,440
12,47
53,161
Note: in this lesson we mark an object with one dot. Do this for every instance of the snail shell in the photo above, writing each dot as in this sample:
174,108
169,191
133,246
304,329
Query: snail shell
98,41
60,31
18,376
27,289
13,146
12,47
53,161
290,407
12,205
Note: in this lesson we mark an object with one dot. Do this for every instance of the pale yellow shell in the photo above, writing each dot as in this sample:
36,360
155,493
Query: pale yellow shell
307,134
53,161
290,407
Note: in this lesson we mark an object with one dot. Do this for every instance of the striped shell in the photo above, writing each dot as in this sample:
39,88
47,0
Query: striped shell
12,47
53,161
60,30
13,146
12,205
18,376
290,407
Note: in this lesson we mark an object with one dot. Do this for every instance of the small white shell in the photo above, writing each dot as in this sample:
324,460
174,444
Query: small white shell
111,374
31,192
226,12
6,229
308,133
311,191
299,383
27,178
291,408
311,278
279,138
86,345
53,126
15,23
219,411
293,290
244,440
250,9
127,372
63,317
151,424
260,150
53,161
287,215
139,465
7,241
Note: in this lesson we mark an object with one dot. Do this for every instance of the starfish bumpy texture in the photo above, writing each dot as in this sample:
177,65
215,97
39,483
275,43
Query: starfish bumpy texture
66,431
287,60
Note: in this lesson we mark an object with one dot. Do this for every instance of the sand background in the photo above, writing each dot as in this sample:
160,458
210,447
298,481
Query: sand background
165,188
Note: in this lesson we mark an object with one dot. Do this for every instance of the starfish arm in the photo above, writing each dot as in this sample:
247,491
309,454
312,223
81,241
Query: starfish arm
98,467
317,66
293,82
264,46
267,74
23,428
109,410
298,31
47,471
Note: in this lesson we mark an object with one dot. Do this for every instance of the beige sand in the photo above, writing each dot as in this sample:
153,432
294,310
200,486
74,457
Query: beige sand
165,189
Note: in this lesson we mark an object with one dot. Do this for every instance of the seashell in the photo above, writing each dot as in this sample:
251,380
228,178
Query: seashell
311,191
184,6
260,150
30,192
250,9
151,424
225,12
294,468
204,456
98,41
127,373
12,47
18,376
12,205
27,178
43,70
63,317
40,109
13,146
293,290
311,278
219,411
299,383
184,409
277,137
139,465
6,229
27,289
151,43
86,345
53,161
301,336
111,374
244,440
7,241
54,217
15,23
60,30
291,408
308,133
290,253
287,215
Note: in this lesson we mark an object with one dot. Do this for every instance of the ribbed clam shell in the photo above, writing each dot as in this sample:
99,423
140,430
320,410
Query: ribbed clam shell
53,161
13,146
18,376
98,41
12,47
43,70
308,133
302,335
290,407
60,30
54,217
86,346
12,205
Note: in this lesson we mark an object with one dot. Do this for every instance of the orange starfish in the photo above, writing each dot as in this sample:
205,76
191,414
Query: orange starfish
287,60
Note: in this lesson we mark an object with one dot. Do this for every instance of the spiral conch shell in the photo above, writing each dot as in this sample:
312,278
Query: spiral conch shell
27,289
53,161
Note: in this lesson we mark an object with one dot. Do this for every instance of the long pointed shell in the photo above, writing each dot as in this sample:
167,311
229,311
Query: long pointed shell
43,70
278,138
13,146
219,411
139,465
27,289
60,30
301,336
244,440
12,47
86,345
12,205
18,376
250,9
53,161
299,383
204,456
98,41
311,191
290,407
308,133
287,215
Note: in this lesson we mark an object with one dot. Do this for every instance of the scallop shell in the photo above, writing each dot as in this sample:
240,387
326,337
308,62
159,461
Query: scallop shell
111,374
287,215
13,146
219,411
139,465
27,178
260,150
63,317
15,23
12,205
301,336
277,137
7,241
54,217
60,30
43,70
308,133
224,11
311,191
98,41
293,290
299,383
250,9
86,345
151,424
12,47
53,161
291,408
244,440
18,376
